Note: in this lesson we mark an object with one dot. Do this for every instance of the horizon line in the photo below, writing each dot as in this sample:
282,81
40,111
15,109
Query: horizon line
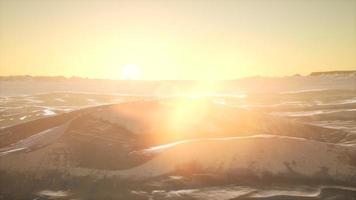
153,80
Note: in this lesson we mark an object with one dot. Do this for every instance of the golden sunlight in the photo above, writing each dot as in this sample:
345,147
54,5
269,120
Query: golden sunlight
131,72
177,99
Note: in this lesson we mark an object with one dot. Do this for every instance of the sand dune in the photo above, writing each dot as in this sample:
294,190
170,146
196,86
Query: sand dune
148,142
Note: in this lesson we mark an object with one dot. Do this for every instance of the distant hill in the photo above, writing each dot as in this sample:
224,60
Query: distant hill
39,78
83,79
21,85
349,72
63,78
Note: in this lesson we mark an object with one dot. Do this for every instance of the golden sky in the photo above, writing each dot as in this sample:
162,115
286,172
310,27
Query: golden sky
176,39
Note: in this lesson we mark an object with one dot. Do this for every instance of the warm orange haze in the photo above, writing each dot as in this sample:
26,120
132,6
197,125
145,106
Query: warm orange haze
178,99
203,39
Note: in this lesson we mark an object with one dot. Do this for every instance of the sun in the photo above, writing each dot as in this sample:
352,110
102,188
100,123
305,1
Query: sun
131,72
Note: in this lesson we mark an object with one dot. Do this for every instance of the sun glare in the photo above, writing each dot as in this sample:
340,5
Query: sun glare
131,72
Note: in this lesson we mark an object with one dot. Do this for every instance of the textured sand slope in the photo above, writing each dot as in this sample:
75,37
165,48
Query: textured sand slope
260,156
